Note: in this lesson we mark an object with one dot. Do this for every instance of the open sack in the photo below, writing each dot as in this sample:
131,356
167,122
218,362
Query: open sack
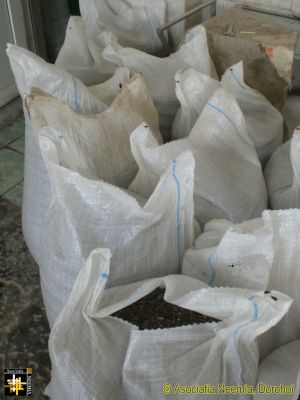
282,175
105,136
134,22
260,254
32,72
281,367
82,57
264,122
101,356
159,72
147,237
226,162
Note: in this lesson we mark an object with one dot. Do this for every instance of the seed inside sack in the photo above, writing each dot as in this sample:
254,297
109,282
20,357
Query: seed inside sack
153,312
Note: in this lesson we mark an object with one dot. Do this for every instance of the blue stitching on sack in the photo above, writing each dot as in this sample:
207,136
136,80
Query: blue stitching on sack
241,85
177,211
75,95
255,308
237,79
229,120
213,272
237,331
104,275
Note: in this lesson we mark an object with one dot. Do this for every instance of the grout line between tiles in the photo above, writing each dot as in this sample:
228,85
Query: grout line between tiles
4,193
6,146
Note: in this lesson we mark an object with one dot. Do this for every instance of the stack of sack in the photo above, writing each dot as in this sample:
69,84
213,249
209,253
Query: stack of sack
32,72
262,254
128,156
158,72
223,154
264,122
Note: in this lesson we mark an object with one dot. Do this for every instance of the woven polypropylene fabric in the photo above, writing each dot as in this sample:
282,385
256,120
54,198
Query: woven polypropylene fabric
261,254
82,57
227,164
283,365
159,73
264,122
146,241
112,357
282,175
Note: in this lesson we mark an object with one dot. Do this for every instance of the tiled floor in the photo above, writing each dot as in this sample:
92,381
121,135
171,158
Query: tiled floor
24,329
12,152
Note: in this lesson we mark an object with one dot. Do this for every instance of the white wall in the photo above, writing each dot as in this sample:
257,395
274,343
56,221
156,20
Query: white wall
12,30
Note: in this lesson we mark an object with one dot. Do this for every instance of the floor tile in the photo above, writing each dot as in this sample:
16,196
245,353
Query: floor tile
15,195
24,325
11,169
12,130
18,144
11,110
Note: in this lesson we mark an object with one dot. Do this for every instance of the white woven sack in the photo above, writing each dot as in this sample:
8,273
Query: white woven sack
134,22
282,175
108,90
191,34
235,259
95,355
226,163
216,228
105,136
291,114
259,254
176,9
264,122
193,90
147,239
32,71
81,57
159,73
282,367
